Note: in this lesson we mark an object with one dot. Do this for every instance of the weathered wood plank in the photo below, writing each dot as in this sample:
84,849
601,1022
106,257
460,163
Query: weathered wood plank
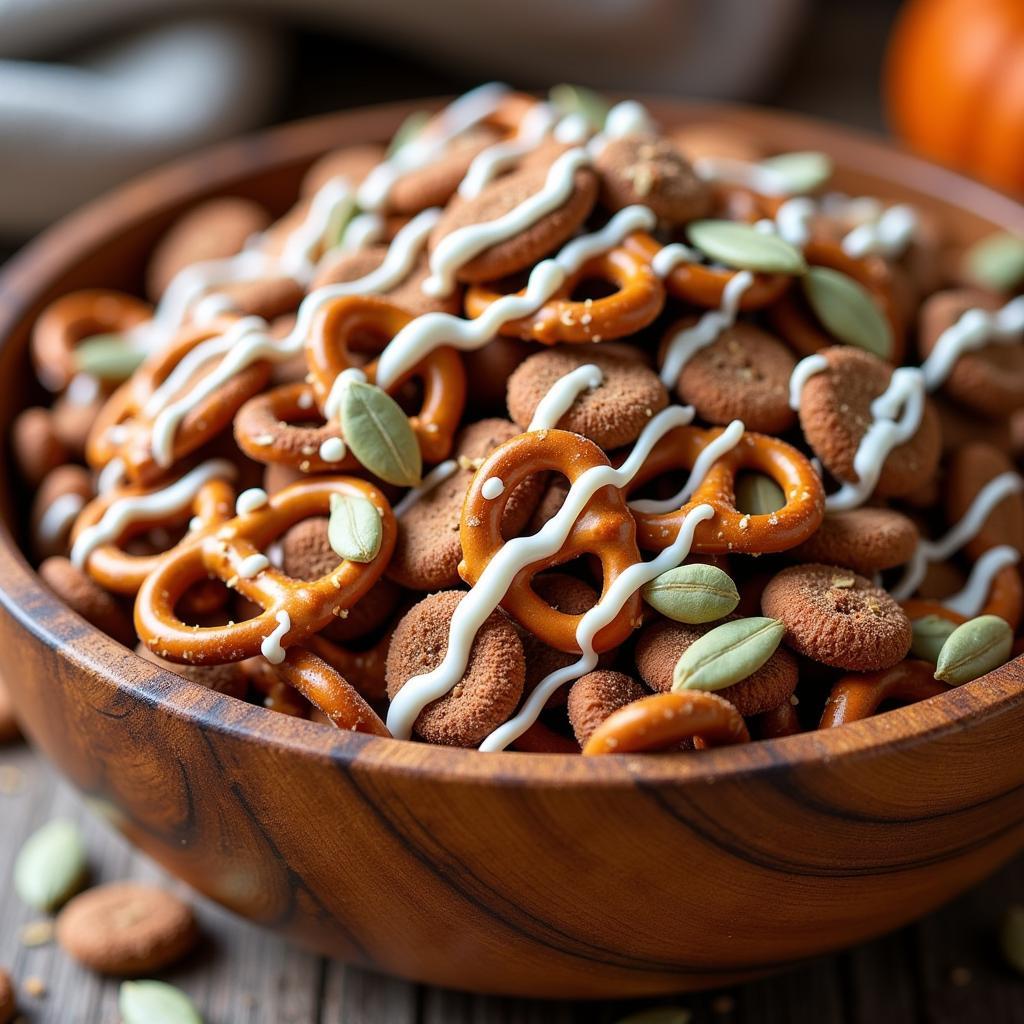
880,981
351,996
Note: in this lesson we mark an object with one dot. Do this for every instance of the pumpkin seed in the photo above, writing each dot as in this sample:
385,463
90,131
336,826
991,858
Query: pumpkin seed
338,220
976,647
848,311
659,1015
108,356
1012,938
692,593
576,99
155,1002
929,634
803,171
354,529
728,654
408,130
378,434
996,262
758,495
742,246
51,866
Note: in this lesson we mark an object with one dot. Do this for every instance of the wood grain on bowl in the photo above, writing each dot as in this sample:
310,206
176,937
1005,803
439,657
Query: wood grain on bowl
507,873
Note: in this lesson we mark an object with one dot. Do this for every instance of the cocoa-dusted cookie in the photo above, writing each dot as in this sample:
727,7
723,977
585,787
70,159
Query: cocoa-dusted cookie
488,693
661,644
428,549
73,417
865,540
268,298
835,414
593,697
502,196
743,374
652,171
970,468
489,368
36,446
611,415
837,617
89,599
988,381
229,679
126,929
718,141
353,163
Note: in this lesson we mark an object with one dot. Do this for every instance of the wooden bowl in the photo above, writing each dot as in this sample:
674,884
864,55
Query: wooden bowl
505,873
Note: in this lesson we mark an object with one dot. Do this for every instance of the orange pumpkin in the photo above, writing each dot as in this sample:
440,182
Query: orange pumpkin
954,85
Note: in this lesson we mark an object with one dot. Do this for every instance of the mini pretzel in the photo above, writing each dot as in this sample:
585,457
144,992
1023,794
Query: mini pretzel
732,530
71,319
364,670
637,300
604,528
309,606
664,720
1005,599
859,695
441,374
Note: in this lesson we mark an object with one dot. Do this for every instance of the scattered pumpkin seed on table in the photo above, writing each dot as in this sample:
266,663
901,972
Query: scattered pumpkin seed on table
51,866
155,1002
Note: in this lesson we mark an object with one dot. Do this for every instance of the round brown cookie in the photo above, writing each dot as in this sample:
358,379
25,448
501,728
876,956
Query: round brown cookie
488,693
428,549
970,468
62,494
353,163
212,230
87,598
611,415
593,697
743,374
960,426
651,171
72,421
8,1001
9,729
229,679
837,617
528,246
989,381
703,139
835,414
125,929
353,264
865,540
661,644
269,298
37,449
489,369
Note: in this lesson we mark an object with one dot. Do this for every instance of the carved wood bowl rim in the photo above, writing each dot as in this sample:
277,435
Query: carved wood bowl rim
39,268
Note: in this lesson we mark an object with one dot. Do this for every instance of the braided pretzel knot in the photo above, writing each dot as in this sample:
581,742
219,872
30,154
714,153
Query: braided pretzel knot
220,553
732,530
665,720
71,319
604,528
859,695
375,320
1005,599
637,300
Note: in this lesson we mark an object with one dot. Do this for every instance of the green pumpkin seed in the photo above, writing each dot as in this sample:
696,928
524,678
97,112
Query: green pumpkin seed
108,356
659,1015
339,219
996,262
155,1002
576,99
1012,938
408,130
728,654
692,593
51,866
758,495
848,311
801,172
354,529
740,245
976,647
929,634
378,434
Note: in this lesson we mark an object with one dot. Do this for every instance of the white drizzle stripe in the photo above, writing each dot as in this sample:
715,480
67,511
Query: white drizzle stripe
668,257
512,557
686,343
563,393
332,201
55,522
742,173
437,476
887,235
463,244
793,221
123,512
112,475
271,648
487,165
807,368
969,601
363,230
250,500
628,118
623,587
252,565
427,332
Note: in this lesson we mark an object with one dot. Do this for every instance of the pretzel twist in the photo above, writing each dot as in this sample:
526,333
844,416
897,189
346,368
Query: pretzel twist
1005,599
859,695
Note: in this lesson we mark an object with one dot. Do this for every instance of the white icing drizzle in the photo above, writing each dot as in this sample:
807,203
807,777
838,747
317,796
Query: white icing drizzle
212,306
668,257
493,487
534,128
742,173
55,522
887,235
437,476
271,648
252,565
427,332
628,118
250,500
563,393
156,505
112,475
463,244
572,129
363,230
333,201
808,367
969,601
333,450
687,342
82,389
793,221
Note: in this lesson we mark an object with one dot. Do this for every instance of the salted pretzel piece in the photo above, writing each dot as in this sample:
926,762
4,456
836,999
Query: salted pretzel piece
637,300
364,670
72,318
220,553
860,694
732,530
604,529
370,319
664,720
1005,599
